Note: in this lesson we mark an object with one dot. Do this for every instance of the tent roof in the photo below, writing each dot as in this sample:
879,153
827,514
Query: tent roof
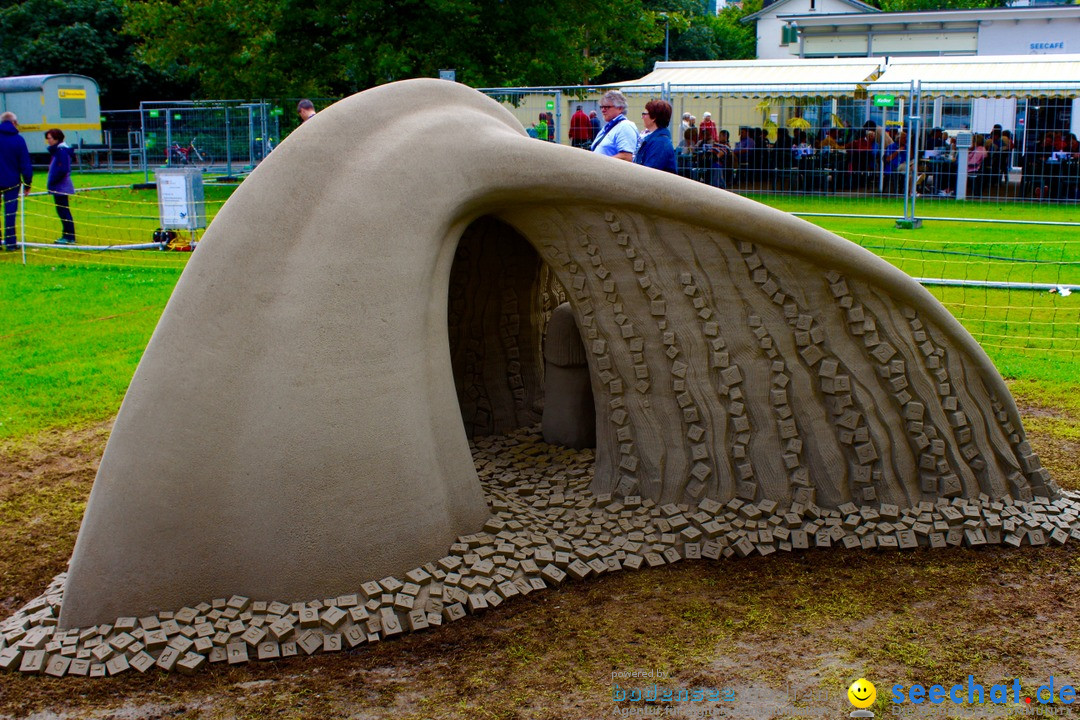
985,75
760,78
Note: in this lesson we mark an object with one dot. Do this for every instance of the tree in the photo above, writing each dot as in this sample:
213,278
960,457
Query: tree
249,48
717,37
697,34
496,42
81,37
233,48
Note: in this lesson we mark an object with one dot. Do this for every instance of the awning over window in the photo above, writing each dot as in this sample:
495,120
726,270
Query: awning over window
763,78
991,76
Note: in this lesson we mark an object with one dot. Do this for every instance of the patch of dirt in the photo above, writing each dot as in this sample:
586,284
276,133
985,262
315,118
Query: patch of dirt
147,711
762,627
52,455
44,484
1028,410
1058,455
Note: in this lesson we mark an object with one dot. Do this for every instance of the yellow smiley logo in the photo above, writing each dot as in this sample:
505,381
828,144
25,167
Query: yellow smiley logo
862,693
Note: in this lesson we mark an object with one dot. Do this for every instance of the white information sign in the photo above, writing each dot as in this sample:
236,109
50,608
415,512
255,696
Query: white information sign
174,200
181,203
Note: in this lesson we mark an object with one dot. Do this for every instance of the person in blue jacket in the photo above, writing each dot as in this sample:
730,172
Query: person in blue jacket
15,172
59,183
656,149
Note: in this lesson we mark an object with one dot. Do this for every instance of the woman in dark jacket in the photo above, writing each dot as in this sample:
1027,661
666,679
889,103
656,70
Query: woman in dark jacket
59,182
656,150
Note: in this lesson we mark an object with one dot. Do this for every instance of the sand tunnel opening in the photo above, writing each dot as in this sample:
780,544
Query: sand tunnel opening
501,298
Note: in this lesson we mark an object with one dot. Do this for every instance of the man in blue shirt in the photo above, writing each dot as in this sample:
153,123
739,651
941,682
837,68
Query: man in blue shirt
619,136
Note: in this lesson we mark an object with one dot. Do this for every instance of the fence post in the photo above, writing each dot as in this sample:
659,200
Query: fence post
168,137
264,131
911,170
251,134
558,116
881,148
142,129
228,144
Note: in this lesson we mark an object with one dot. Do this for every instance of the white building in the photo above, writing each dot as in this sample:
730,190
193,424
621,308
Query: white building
1036,30
778,38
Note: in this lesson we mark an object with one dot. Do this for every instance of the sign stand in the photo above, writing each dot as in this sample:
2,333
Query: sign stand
963,145
181,203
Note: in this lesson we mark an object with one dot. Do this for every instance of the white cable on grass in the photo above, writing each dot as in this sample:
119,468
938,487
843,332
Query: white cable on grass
54,246
999,284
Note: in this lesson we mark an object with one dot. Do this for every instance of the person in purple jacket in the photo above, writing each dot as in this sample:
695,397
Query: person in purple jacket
15,172
59,183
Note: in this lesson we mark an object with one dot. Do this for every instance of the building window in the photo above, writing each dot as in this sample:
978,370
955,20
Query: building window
789,34
73,106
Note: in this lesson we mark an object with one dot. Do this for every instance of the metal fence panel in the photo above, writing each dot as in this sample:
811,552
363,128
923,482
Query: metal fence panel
836,146
851,143
219,136
546,113
121,146
1001,145
819,139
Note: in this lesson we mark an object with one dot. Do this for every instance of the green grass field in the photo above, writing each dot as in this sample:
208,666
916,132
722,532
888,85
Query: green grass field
76,324
71,340
1028,332
872,204
1002,253
78,321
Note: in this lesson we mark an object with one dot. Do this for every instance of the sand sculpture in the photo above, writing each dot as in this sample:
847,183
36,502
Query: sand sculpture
376,293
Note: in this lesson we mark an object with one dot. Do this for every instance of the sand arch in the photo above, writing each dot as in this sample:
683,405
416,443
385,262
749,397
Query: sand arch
304,363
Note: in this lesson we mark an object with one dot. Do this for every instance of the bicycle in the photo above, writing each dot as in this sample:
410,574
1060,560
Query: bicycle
190,155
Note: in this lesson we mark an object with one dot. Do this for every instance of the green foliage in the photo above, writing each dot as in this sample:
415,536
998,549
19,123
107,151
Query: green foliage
235,48
493,42
697,34
715,37
76,36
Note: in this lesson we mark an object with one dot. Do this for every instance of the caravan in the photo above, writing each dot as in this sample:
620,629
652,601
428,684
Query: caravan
68,102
